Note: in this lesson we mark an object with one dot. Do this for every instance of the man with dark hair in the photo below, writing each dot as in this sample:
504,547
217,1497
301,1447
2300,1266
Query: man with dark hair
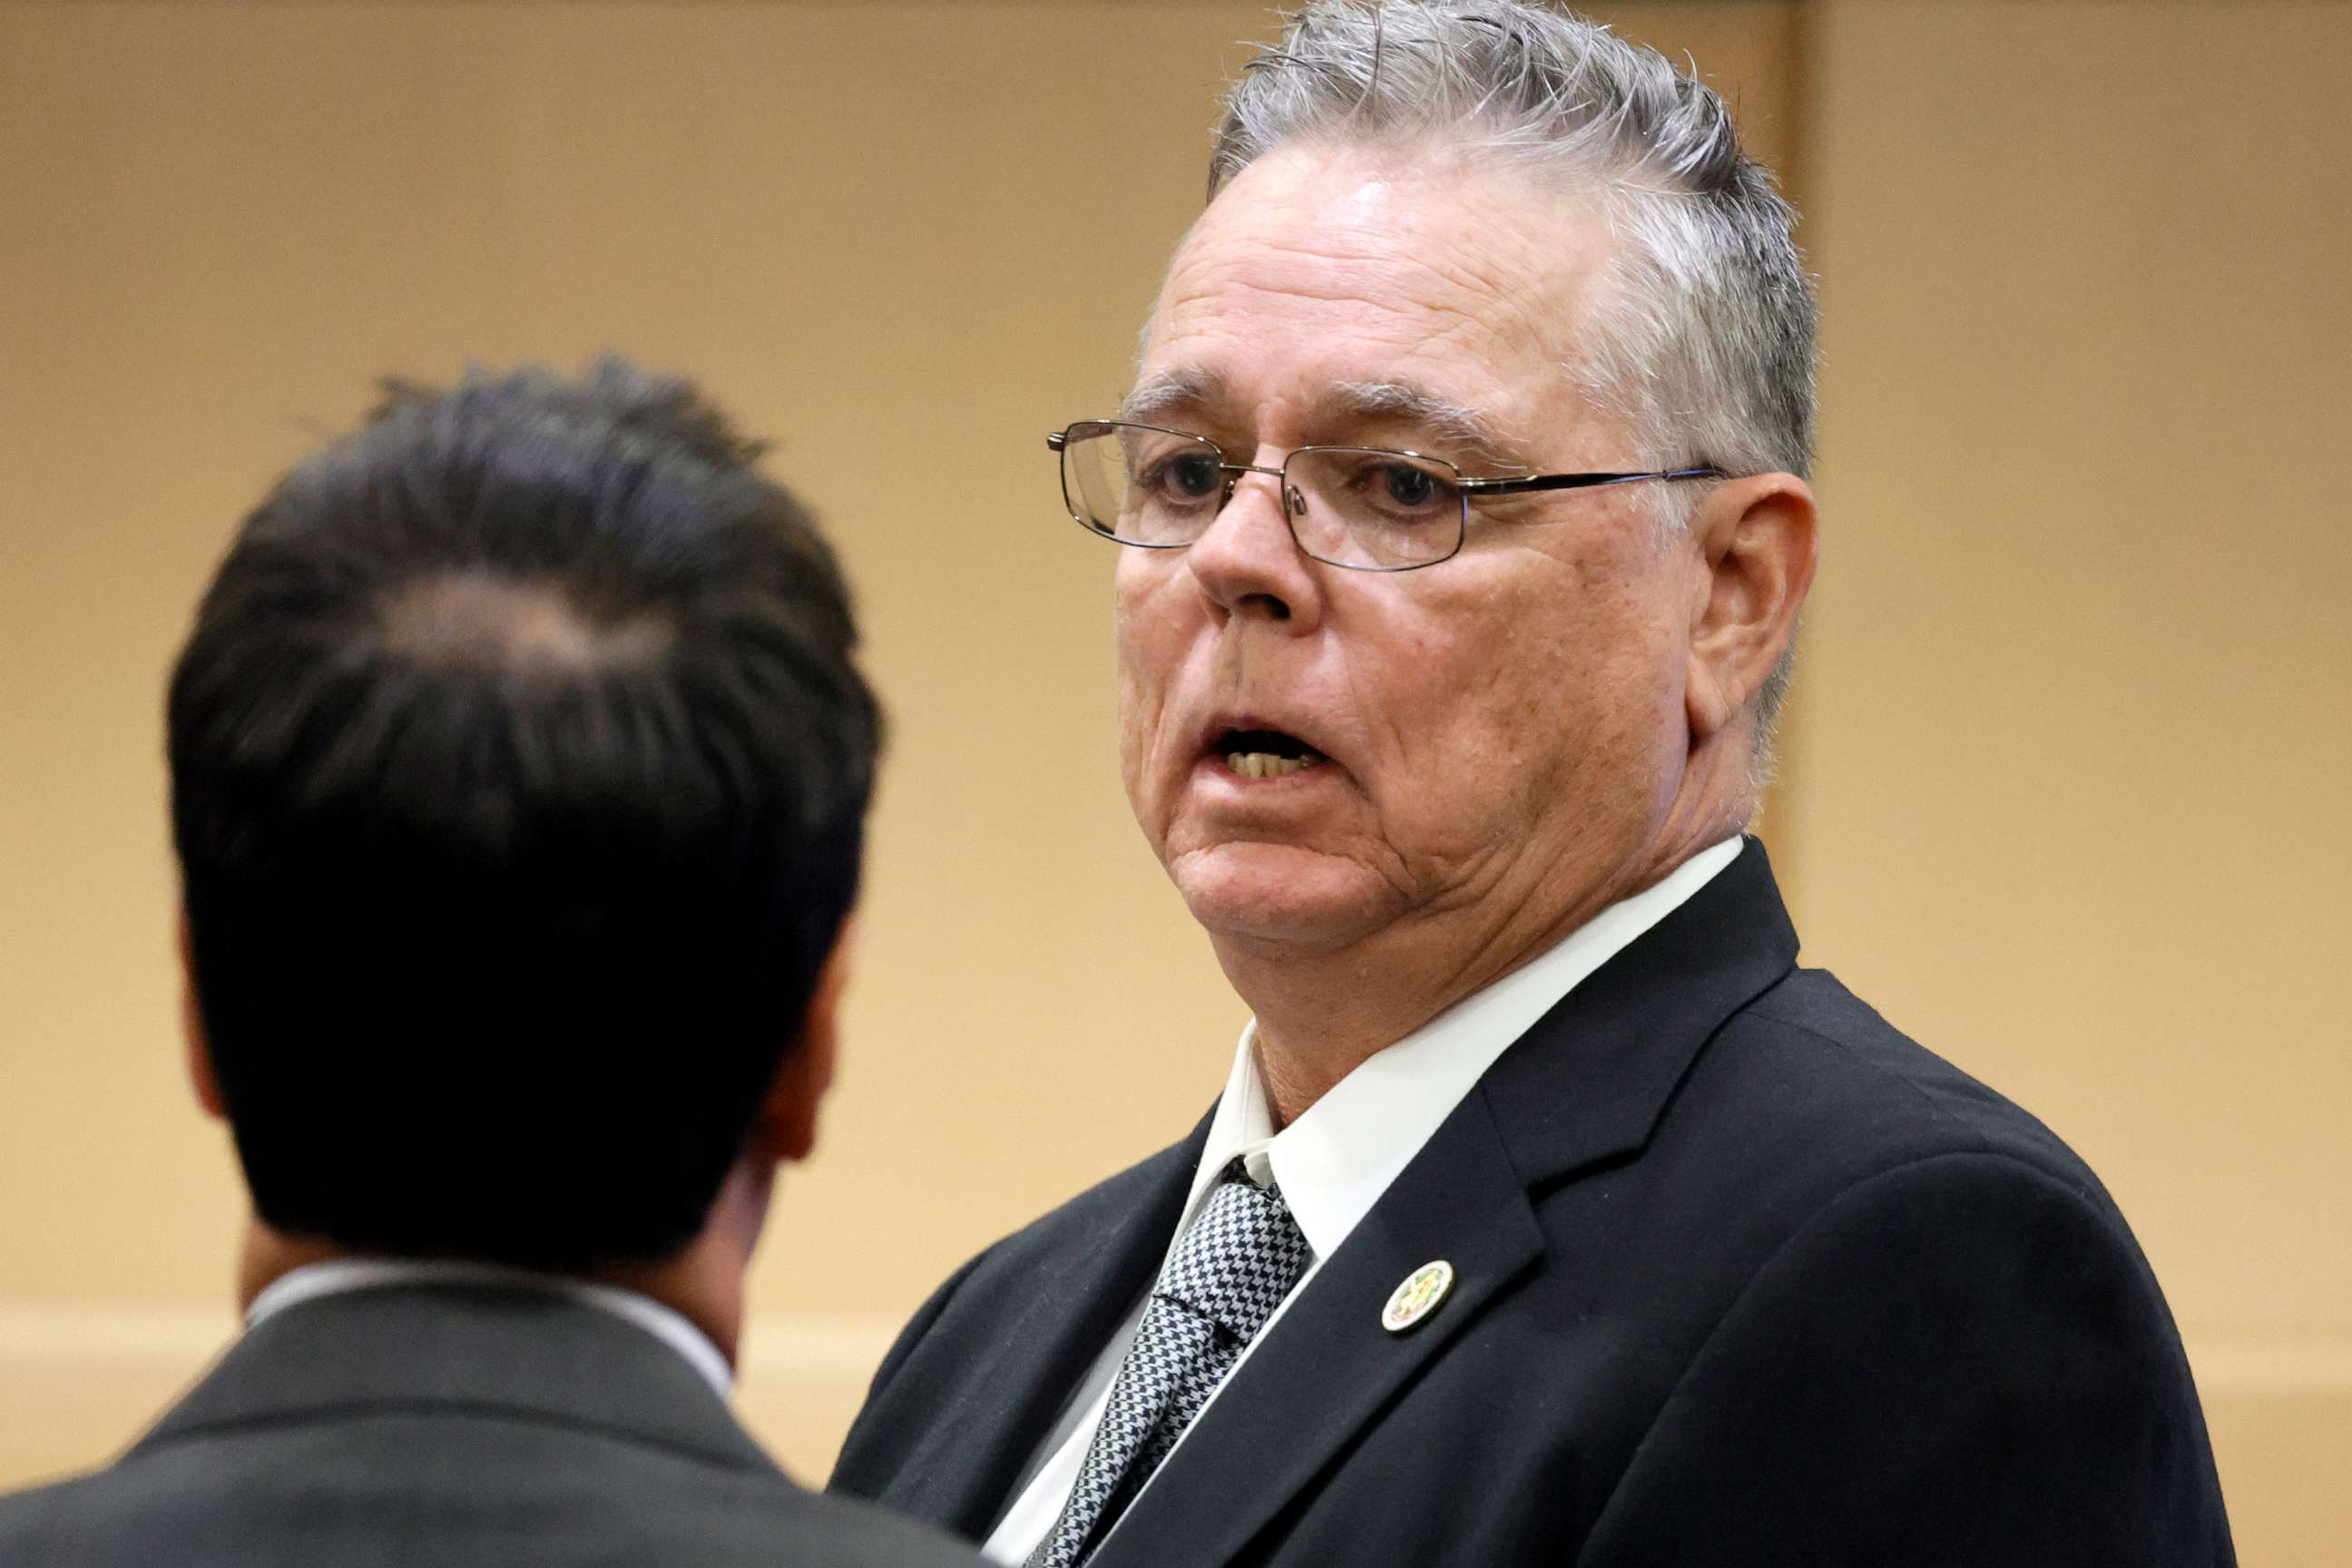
518,771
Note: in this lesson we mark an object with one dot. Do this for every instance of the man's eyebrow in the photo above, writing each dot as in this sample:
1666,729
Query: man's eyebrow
1158,395
1458,428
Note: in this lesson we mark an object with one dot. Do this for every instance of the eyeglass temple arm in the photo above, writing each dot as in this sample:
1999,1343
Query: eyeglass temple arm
1518,486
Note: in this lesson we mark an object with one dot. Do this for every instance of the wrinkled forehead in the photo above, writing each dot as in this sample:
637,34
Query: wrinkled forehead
1329,288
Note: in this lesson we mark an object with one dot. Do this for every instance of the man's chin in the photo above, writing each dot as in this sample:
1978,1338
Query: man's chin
1282,895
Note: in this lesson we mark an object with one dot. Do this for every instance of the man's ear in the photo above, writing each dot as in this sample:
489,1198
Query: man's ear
199,1046
789,1117
1756,542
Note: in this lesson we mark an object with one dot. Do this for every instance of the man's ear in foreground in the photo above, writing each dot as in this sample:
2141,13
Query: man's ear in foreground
201,1075
788,1117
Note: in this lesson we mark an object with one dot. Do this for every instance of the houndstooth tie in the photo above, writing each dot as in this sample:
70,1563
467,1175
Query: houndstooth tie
1232,1269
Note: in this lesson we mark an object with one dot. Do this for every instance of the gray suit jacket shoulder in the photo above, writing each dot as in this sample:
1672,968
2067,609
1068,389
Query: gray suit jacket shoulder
450,1426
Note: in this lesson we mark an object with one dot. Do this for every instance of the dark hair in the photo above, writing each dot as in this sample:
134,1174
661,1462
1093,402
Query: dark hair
519,774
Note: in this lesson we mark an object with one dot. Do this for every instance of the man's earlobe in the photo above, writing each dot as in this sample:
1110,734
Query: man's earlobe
197,1043
1756,542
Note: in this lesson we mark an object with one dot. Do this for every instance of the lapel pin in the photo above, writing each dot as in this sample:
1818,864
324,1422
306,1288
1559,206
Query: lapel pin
1411,1302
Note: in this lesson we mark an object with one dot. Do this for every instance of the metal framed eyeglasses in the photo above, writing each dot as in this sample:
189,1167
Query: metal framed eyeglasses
1363,507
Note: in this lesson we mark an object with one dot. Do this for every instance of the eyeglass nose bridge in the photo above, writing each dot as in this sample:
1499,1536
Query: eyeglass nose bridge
1293,502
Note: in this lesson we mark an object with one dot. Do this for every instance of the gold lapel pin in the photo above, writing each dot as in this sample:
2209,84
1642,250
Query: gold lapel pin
1414,1299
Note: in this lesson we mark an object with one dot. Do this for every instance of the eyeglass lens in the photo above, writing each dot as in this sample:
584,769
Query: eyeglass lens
1350,506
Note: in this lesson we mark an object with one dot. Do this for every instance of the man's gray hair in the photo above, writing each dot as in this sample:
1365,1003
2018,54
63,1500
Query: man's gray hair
1707,346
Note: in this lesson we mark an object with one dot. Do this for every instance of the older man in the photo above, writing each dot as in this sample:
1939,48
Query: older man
1551,1213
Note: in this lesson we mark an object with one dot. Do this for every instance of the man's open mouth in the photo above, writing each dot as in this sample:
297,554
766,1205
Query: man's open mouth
1264,753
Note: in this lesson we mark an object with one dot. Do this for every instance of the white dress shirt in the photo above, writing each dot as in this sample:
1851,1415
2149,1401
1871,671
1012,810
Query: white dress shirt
1336,1160
339,1275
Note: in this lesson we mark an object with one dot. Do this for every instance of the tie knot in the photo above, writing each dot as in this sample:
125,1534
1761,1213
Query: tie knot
1240,1259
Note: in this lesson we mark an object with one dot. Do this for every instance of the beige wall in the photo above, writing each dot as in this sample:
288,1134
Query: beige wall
2075,731
2051,785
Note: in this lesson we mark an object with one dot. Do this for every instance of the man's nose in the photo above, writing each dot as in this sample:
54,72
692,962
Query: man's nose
1249,562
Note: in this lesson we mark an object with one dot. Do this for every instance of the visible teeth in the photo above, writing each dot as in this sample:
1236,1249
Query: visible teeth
1268,764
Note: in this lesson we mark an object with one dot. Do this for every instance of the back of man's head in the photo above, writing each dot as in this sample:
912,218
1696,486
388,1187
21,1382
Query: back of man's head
518,774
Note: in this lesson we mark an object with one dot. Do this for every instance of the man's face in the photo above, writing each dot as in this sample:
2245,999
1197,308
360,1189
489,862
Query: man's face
1501,734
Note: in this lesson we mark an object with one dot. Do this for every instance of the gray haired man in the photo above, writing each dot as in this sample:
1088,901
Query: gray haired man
1550,1213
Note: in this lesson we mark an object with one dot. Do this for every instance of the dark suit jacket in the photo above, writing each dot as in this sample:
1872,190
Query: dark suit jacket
450,1426
1743,1276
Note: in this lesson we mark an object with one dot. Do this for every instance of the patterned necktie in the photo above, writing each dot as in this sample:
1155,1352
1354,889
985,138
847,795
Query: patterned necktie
1232,1269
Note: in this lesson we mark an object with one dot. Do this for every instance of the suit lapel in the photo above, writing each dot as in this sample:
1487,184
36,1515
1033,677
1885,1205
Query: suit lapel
1012,1384
1582,1090
1326,1366
1589,1082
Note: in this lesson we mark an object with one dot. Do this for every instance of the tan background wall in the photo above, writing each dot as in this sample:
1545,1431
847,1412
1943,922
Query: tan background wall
2057,787
2071,807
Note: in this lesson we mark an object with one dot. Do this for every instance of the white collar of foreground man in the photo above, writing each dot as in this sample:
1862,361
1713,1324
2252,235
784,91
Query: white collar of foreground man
339,1275
1335,1161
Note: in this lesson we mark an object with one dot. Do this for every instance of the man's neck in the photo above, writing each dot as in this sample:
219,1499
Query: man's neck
702,1282
1321,1014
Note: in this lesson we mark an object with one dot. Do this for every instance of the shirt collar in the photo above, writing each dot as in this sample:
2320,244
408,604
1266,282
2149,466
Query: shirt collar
338,1274
1336,1160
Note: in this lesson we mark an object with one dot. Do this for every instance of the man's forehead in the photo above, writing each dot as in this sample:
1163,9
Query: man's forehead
1356,283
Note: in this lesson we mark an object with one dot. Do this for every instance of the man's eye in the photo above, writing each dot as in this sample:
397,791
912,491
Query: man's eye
1193,476
1410,487
1402,491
